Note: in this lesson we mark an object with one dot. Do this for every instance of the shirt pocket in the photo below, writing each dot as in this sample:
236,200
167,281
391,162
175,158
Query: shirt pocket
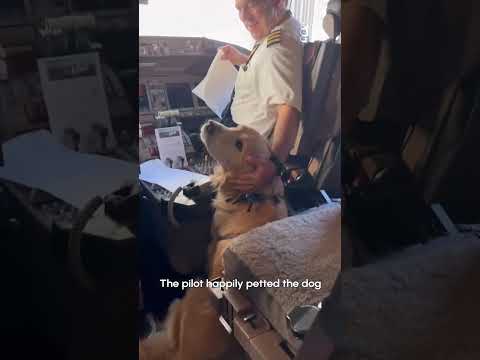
245,86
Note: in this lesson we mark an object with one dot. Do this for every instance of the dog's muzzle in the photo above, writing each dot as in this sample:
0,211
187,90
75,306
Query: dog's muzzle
209,129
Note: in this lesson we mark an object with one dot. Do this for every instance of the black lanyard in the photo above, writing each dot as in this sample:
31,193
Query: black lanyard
227,112
245,66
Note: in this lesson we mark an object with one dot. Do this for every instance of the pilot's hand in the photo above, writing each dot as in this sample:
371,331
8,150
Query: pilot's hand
231,54
264,171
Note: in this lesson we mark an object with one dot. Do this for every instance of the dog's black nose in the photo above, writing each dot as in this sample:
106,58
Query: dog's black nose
210,127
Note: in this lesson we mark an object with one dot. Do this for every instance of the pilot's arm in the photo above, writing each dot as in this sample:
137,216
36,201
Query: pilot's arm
284,136
280,83
285,131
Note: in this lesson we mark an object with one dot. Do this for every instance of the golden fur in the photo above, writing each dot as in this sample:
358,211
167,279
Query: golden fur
192,330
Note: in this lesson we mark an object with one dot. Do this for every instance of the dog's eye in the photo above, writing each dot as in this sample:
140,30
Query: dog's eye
239,145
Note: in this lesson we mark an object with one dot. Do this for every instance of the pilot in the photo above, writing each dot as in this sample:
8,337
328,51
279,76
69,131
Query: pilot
268,89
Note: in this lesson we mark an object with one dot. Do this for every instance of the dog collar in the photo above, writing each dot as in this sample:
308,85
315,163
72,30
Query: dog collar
253,198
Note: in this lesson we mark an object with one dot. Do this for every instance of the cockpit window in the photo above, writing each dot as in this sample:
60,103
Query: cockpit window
218,20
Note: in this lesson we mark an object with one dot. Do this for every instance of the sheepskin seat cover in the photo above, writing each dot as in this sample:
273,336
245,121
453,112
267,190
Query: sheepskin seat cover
300,247
421,303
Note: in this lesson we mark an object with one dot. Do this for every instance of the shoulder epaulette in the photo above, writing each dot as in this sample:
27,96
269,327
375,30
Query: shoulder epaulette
274,37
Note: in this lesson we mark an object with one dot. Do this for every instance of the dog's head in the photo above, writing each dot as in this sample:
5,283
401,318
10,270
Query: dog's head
230,146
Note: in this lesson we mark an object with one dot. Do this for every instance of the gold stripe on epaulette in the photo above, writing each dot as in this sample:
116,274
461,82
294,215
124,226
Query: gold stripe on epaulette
276,32
273,43
274,38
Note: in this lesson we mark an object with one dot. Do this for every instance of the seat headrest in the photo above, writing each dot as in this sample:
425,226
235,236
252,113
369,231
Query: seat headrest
334,8
332,19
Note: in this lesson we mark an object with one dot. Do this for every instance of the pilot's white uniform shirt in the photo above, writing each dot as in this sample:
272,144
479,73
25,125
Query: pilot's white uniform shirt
272,77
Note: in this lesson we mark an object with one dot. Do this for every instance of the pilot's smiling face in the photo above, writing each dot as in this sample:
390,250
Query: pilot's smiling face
257,16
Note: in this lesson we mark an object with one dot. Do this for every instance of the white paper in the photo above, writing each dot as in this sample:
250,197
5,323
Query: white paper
155,172
217,86
101,225
69,83
171,147
37,160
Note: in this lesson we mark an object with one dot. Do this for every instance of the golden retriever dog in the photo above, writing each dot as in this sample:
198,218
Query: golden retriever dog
192,330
